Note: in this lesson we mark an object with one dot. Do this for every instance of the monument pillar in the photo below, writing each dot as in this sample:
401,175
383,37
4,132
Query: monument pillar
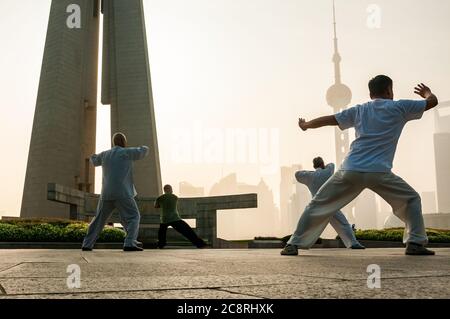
64,126
126,86
63,135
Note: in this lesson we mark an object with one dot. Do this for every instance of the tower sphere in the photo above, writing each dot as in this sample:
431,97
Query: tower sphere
339,96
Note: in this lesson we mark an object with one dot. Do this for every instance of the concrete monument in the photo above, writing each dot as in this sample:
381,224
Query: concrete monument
64,127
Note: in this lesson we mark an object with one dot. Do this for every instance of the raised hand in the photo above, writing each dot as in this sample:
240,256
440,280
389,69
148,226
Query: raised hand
422,90
302,124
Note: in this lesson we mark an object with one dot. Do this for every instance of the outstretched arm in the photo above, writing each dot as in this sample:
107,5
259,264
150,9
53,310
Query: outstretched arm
138,153
97,159
425,92
304,177
329,120
330,167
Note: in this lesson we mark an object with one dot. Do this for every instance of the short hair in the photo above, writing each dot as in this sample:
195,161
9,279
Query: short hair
379,85
167,188
119,139
318,162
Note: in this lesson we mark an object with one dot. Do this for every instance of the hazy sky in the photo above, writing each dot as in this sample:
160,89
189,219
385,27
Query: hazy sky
227,66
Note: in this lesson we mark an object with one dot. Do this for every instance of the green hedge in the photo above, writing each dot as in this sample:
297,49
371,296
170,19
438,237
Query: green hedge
393,234
52,231
285,239
396,234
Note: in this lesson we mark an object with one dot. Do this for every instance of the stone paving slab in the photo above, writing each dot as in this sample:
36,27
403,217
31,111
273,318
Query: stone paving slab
223,273
422,288
161,294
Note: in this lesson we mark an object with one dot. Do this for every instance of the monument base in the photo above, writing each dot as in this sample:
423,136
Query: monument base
202,209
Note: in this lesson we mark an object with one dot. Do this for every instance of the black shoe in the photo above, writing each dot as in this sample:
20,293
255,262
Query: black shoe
86,249
289,250
201,245
132,248
417,250
161,245
357,246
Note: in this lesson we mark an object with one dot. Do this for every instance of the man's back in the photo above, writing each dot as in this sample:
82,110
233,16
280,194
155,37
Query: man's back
378,125
315,179
117,166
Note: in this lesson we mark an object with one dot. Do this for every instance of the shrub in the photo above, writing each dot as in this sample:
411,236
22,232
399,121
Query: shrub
285,239
42,230
396,234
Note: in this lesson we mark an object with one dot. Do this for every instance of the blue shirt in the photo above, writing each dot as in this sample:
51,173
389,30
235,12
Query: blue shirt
315,179
378,125
117,167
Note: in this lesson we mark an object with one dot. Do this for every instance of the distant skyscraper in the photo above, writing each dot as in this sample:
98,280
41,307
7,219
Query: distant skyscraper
442,156
188,190
293,198
297,203
261,221
287,184
428,202
64,126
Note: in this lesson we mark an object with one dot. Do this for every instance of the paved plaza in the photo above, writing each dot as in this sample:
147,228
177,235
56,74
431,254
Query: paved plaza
223,273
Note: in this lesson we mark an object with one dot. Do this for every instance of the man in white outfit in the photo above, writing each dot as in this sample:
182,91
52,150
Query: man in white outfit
314,180
378,125
118,191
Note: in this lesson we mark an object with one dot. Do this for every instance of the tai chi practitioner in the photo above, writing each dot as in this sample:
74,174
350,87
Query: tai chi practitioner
118,191
378,125
314,180
170,217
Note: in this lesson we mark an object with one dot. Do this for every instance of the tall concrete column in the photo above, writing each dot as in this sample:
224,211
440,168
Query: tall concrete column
64,127
63,135
126,86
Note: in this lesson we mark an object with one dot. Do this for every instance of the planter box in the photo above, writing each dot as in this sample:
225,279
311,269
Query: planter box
56,245
266,244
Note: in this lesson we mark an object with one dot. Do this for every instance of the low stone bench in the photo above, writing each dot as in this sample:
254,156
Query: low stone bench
202,209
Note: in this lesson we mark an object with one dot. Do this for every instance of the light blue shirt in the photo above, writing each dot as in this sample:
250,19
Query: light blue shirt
315,179
378,125
117,167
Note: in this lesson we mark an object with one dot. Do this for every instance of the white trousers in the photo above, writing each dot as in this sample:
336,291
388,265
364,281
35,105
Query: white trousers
129,215
343,228
343,187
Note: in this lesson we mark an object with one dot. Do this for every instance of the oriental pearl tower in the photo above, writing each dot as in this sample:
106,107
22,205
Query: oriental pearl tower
339,97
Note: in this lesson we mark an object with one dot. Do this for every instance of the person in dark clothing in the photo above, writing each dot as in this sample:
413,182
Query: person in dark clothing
170,217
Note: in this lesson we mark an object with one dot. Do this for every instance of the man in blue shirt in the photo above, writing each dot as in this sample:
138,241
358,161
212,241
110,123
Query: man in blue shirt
378,125
118,191
314,180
